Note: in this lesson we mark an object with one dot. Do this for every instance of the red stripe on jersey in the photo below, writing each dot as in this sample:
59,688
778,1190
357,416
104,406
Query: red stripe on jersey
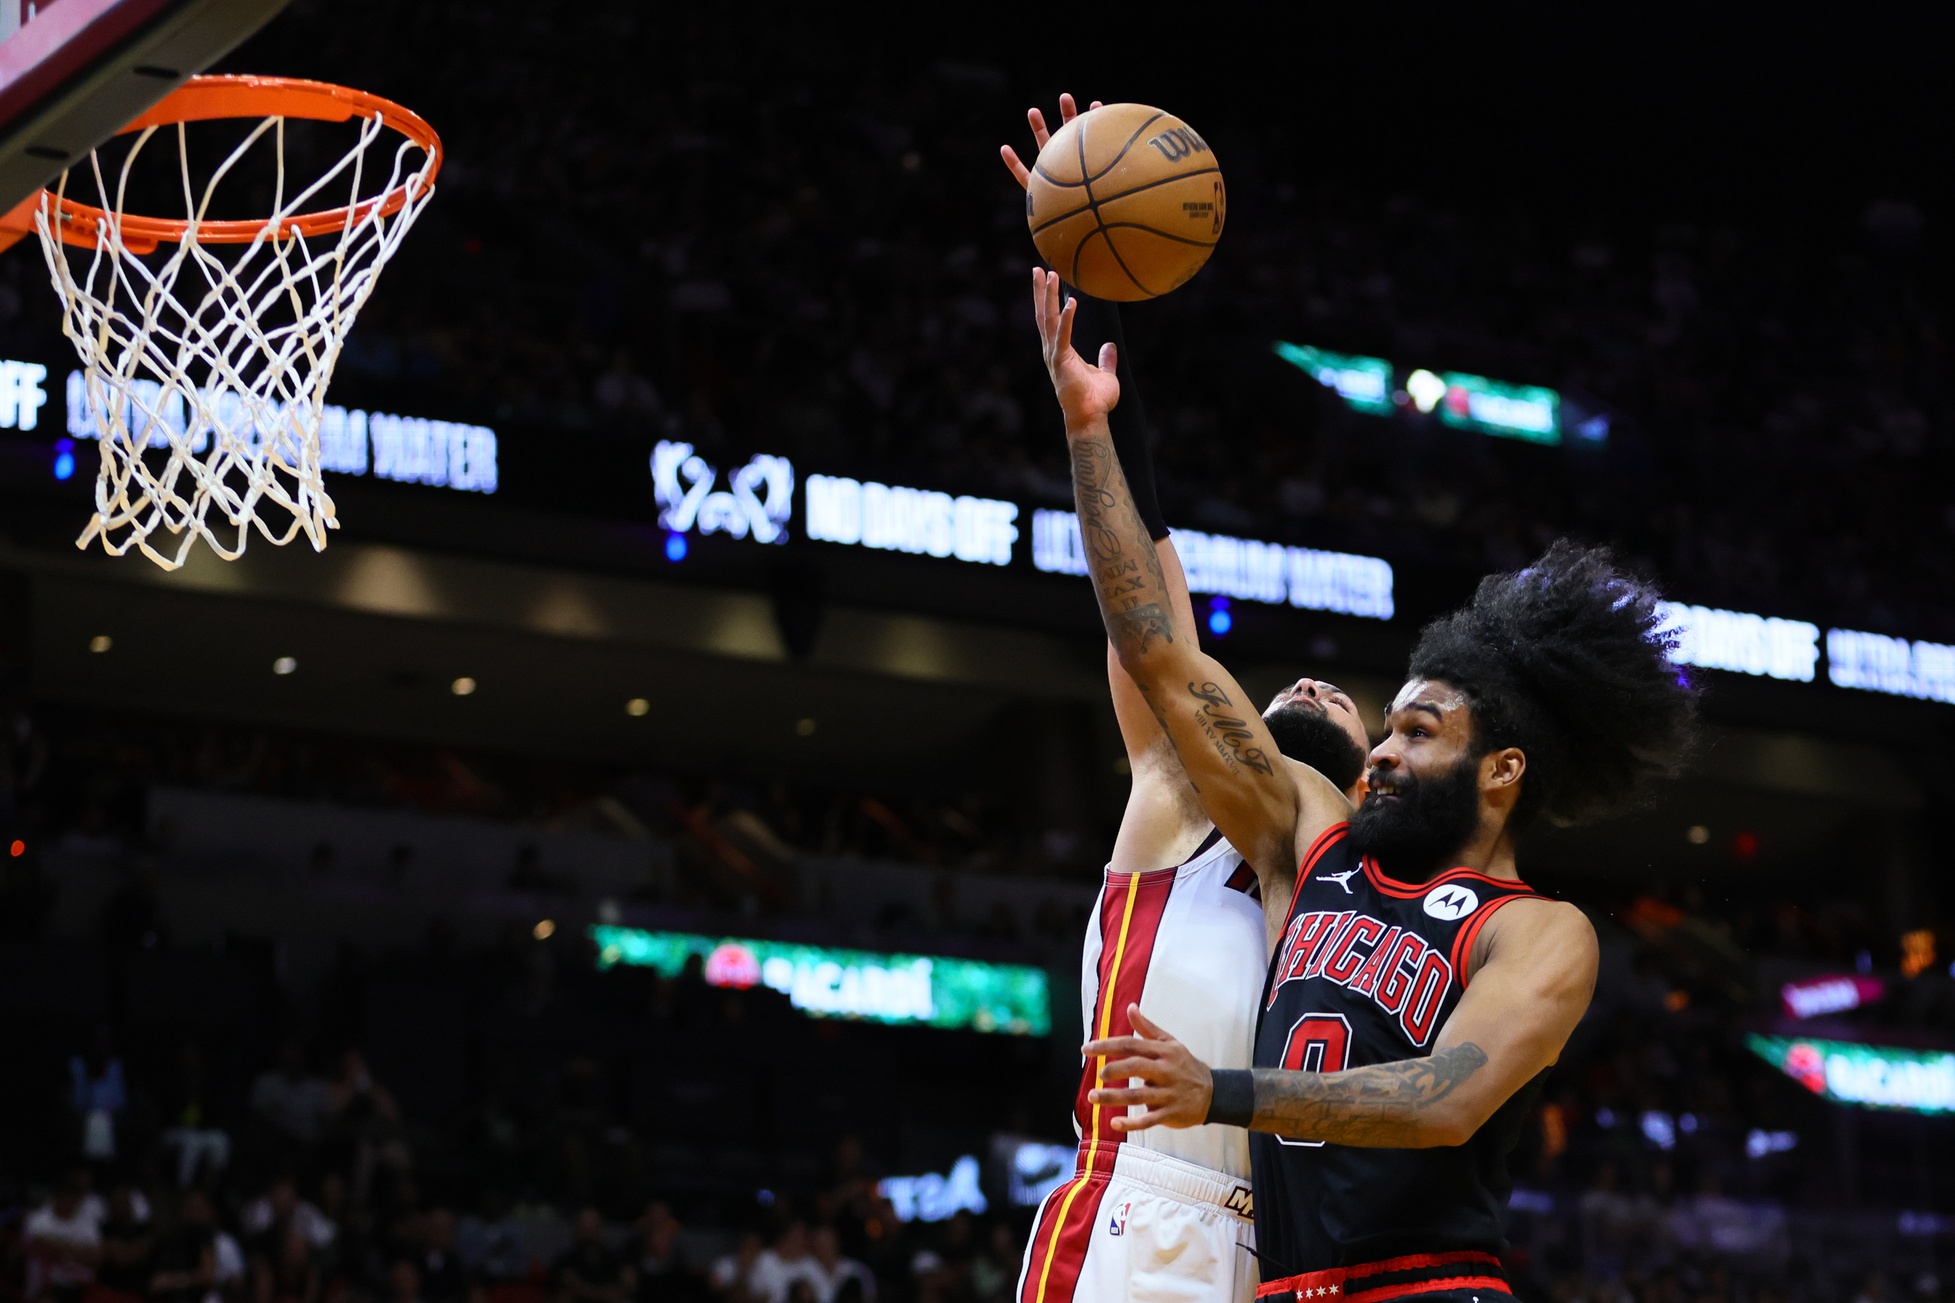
1130,917
1391,886
1322,844
1064,1233
1463,942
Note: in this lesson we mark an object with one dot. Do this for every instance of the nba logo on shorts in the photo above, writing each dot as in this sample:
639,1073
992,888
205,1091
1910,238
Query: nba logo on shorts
1117,1224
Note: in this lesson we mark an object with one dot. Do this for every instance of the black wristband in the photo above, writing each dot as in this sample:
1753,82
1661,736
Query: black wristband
1232,1102
1097,322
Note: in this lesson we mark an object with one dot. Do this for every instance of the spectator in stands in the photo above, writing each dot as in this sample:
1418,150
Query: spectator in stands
492,1244
62,1242
995,1268
443,1279
288,1274
784,1262
365,1123
404,1283
184,1268
732,1276
191,1123
664,1275
99,1097
832,1271
291,1102
127,1240
589,1271
268,1219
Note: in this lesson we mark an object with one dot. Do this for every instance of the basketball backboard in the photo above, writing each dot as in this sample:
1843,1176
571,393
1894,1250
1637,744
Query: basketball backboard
74,72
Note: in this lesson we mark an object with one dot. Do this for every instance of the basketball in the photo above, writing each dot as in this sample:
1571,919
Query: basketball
1126,202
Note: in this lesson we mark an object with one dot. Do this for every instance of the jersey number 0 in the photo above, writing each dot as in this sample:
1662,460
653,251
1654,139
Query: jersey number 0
1320,1042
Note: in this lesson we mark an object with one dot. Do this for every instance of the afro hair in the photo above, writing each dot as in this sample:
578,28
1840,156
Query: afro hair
1567,660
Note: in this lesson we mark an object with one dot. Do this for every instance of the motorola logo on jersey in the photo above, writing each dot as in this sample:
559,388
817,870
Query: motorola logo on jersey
1451,902
1396,969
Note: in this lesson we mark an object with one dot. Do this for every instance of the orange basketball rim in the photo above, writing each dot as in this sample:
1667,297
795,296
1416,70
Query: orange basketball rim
206,99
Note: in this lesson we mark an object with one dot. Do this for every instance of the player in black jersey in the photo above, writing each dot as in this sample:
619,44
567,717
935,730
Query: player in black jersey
1418,989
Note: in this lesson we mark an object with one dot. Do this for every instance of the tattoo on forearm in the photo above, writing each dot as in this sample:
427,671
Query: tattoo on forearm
1230,733
1127,575
1383,1106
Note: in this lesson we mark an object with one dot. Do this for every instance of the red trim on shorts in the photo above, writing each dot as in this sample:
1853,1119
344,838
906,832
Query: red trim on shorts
1464,938
1491,1284
1073,1210
1333,1283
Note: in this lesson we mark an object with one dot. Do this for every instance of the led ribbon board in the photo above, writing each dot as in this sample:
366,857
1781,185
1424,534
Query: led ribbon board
1871,1076
908,990
405,449
1877,663
1740,642
918,521
1244,568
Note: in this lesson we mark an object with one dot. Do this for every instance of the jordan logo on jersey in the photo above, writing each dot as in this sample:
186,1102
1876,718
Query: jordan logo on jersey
1398,970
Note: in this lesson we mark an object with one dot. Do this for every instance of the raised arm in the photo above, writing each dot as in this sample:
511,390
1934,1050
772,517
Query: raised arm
1163,822
1220,739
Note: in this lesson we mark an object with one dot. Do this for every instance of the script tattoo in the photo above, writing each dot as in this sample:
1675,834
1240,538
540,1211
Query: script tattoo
1383,1106
1127,573
1230,733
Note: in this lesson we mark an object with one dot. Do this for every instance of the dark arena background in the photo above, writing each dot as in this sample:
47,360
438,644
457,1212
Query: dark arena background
658,855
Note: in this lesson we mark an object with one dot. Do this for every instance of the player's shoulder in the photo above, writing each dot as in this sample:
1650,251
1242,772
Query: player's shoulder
1542,925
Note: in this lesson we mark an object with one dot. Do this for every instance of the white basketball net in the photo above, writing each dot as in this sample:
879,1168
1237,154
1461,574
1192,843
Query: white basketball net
206,367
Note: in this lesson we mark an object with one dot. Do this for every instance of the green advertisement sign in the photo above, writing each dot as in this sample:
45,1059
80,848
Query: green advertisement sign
1872,1076
1364,383
823,982
1494,407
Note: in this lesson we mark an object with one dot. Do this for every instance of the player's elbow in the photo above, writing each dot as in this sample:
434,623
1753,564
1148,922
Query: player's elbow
1450,1130
1452,1122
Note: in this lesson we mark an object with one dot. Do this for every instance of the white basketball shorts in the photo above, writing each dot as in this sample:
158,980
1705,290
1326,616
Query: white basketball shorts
1137,1225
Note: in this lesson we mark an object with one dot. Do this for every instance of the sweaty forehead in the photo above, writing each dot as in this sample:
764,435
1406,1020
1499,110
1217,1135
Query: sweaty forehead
1431,695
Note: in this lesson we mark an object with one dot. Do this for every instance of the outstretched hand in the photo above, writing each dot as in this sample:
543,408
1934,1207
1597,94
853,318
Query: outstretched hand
1068,110
1086,392
1176,1086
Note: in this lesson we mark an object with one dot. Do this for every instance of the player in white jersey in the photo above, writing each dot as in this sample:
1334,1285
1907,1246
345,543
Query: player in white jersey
1180,929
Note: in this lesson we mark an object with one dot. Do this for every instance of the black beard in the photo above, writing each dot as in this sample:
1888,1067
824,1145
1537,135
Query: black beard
1307,734
1426,827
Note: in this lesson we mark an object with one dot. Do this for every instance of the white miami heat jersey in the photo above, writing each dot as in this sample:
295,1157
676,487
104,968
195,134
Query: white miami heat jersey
1189,943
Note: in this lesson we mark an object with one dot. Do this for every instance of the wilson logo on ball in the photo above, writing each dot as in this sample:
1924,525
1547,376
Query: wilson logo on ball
1177,143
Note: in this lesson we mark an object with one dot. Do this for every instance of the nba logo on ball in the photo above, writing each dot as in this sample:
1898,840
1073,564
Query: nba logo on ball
1117,1223
1451,903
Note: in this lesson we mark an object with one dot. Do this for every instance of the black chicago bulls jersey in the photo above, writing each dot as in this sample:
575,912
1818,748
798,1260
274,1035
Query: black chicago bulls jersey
1367,971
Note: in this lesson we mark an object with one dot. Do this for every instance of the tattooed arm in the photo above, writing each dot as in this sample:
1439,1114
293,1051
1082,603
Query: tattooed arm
1267,812
1531,982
